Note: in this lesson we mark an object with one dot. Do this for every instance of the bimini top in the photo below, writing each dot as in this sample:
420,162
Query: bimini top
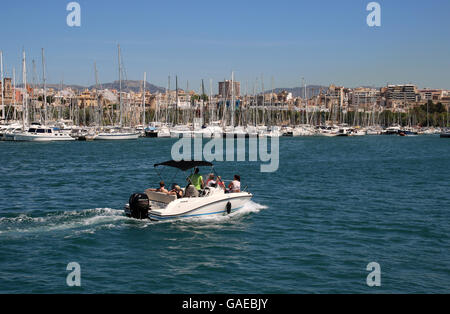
184,165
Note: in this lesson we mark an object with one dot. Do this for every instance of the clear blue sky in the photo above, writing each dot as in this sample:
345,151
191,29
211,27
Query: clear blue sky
325,41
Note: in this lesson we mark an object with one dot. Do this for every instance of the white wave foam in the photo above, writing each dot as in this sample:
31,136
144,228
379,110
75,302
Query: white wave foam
209,221
61,221
91,220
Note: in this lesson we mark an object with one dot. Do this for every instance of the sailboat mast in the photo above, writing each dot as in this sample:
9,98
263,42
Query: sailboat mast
211,118
99,107
2,83
264,100
143,100
176,96
14,94
25,94
203,103
120,85
44,80
232,99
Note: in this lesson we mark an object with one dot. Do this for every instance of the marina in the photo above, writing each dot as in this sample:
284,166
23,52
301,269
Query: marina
127,114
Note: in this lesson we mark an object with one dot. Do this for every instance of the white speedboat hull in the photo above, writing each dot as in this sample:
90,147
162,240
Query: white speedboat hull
202,207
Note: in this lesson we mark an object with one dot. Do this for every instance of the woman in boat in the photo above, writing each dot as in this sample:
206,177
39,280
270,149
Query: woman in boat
235,185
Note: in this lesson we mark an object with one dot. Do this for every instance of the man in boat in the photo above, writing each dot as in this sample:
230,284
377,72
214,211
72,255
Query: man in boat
196,180
161,189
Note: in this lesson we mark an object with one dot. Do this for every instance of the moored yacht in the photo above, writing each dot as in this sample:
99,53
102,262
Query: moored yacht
118,134
39,133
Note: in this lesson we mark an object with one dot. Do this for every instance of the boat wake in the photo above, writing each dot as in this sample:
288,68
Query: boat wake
85,221
92,220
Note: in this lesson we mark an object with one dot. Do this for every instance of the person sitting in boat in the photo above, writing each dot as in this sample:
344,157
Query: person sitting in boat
211,182
191,191
176,190
161,189
196,180
235,185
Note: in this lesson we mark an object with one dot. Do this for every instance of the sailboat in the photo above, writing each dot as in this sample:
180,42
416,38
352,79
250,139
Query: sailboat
119,133
37,132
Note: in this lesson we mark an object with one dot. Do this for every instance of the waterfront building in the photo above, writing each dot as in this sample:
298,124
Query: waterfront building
7,95
435,95
225,89
364,97
403,94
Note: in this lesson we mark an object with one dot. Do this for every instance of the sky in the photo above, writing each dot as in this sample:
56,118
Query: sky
324,41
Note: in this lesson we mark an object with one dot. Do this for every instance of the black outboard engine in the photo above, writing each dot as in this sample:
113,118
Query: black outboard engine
139,206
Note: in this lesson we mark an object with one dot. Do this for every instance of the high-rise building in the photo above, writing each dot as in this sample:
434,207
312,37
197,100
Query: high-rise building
225,89
363,97
406,93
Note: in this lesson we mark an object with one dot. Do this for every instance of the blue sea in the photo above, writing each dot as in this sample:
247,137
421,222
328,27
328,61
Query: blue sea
334,206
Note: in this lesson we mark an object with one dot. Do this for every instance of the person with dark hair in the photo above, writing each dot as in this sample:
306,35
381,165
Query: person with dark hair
235,185
161,189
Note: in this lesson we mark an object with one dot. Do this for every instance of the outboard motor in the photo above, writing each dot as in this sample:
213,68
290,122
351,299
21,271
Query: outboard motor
139,206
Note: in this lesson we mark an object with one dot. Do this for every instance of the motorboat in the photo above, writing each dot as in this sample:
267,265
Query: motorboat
157,130
118,134
39,133
407,132
151,131
211,201
392,130
8,134
445,134
329,131
358,132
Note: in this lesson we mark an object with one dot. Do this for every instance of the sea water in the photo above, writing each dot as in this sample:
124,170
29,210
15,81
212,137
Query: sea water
334,206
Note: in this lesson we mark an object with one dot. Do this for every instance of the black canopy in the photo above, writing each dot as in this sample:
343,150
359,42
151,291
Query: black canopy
184,165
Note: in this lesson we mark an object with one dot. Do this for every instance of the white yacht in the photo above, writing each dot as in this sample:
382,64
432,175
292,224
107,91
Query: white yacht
329,131
38,133
118,134
9,134
212,201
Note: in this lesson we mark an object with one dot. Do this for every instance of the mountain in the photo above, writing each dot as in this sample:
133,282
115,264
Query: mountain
126,86
130,85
